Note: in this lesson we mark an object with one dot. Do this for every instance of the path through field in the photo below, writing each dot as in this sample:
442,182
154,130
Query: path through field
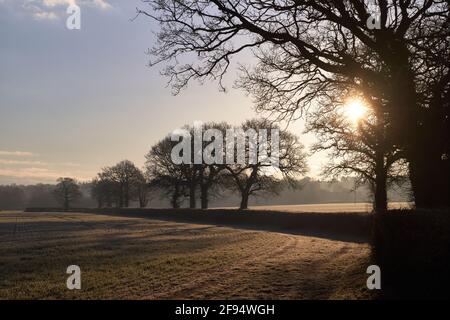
139,258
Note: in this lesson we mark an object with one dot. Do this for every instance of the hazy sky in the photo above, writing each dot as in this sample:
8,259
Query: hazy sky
74,101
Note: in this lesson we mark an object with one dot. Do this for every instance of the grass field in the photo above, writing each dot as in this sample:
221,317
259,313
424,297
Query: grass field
140,258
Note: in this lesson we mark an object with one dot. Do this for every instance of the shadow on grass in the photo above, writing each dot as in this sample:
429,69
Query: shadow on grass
348,227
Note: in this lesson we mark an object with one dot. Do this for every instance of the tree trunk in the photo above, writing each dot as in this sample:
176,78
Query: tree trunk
126,197
192,202
245,192
418,177
429,177
175,197
143,201
380,192
121,197
204,196
66,203
381,173
244,201
428,165
405,118
423,134
109,202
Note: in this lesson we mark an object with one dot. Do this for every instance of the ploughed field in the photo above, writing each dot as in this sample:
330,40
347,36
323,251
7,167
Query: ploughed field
142,258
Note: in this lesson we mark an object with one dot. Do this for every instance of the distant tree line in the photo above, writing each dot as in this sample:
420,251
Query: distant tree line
18,197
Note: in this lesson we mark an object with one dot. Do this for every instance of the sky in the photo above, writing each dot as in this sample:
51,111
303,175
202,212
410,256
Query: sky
75,101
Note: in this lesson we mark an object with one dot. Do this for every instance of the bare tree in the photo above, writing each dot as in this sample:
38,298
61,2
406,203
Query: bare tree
143,190
123,178
67,191
186,179
103,191
164,174
358,147
302,46
262,176
210,175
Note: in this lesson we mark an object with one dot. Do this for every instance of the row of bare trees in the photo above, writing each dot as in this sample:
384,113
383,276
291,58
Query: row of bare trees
355,148
124,182
308,52
249,178
360,148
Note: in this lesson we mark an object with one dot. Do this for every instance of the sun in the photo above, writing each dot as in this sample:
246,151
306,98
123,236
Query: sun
355,109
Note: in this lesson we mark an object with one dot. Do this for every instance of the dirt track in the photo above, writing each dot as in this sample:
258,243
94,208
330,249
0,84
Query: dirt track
138,258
